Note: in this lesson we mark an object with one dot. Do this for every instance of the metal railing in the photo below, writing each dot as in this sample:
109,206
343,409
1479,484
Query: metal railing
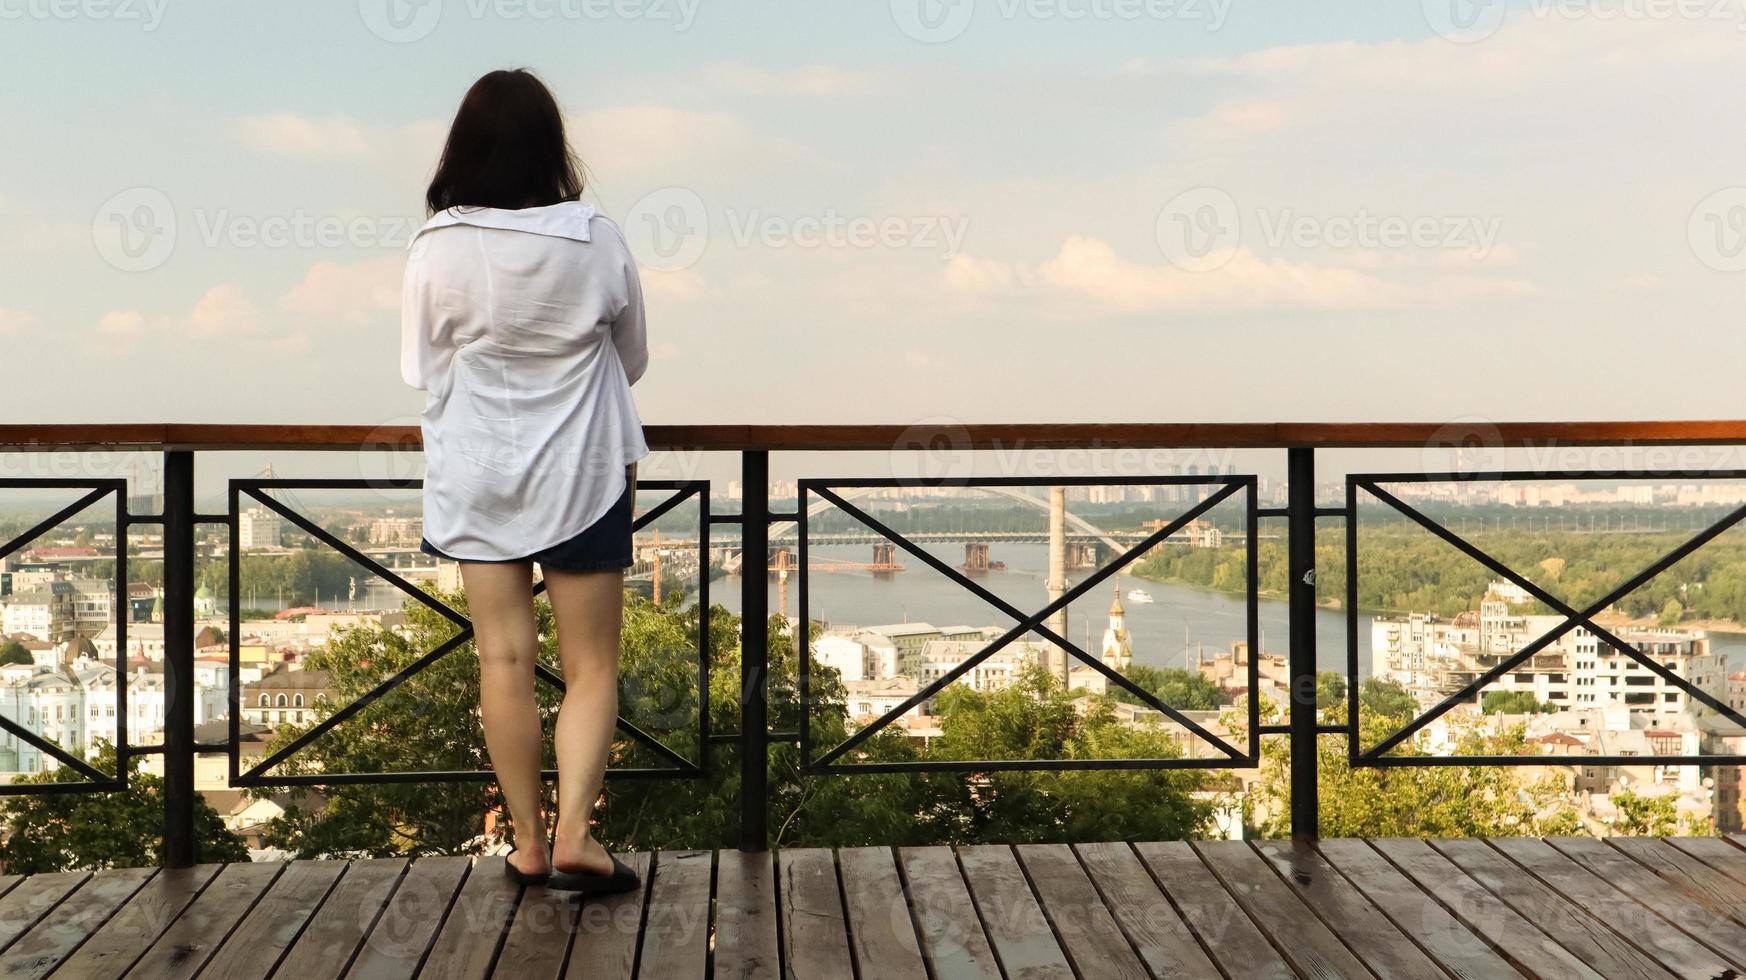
180,444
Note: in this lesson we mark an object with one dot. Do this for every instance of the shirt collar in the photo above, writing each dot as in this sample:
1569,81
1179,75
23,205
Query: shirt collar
566,219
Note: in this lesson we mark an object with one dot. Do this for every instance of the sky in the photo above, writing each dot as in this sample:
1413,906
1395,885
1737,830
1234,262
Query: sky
906,210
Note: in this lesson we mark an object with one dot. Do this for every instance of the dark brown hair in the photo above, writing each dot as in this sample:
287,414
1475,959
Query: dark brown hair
506,149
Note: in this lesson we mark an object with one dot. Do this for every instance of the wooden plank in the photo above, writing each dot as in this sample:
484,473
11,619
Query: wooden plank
676,927
1160,937
197,933
539,939
1216,918
31,899
397,943
1088,932
1580,933
1662,896
1704,884
1353,919
258,944
881,929
467,944
1510,933
1623,913
127,935
745,915
1305,941
608,929
62,930
1021,936
814,931
952,940
1715,852
331,939
1417,914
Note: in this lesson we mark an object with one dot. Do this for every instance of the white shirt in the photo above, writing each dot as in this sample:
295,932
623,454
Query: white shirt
526,328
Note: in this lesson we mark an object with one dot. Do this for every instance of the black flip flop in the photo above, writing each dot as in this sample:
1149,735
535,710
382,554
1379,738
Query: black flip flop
521,877
622,879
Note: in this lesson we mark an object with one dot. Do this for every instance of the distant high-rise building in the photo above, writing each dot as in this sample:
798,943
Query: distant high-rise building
259,528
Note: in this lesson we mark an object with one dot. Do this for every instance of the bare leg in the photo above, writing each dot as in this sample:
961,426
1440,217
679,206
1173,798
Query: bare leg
500,597
589,608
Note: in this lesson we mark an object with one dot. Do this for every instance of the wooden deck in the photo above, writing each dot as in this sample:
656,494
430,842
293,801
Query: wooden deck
1622,908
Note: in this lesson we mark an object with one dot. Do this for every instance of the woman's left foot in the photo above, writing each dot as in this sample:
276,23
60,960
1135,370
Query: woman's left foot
525,869
588,857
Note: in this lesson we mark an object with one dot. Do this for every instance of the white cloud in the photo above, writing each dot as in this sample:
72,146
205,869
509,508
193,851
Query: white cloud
224,311
324,138
329,295
644,141
17,321
118,330
812,81
1087,270
346,294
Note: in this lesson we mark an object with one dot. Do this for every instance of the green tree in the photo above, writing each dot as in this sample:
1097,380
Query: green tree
1671,613
1173,686
1330,690
1646,816
1427,801
90,831
1386,699
1035,719
1514,703
13,652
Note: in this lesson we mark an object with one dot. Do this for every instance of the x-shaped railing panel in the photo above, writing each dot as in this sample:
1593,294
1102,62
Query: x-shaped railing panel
1026,623
1574,618
95,780
259,491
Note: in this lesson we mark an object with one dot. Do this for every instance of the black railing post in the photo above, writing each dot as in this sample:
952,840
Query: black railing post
1301,518
178,658
754,649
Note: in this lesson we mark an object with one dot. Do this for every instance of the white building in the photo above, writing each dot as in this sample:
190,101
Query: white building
1434,657
46,612
259,528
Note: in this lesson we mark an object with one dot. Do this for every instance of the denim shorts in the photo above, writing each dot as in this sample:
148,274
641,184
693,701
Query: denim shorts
602,546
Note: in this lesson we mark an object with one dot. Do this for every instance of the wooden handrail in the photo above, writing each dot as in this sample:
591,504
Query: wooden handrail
1009,437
